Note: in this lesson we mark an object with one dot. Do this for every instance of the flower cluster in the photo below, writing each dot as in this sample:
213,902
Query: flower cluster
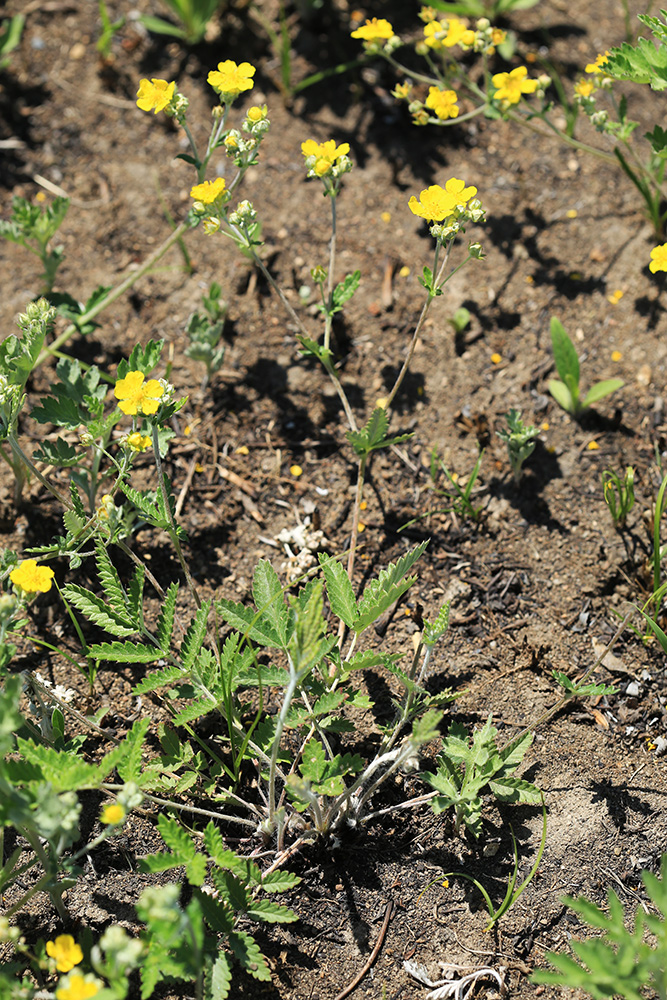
242,149
327,161
445,34
442,103
448,209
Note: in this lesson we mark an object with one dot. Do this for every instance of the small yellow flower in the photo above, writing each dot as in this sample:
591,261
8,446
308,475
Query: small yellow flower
381,402
615,297
231,142
374,31
437,203
32,578
402,91
361,527
105,507
78,987
498,36
256,114
138,442
405,271
230,79
585,88
511,86
597,66
544,426
136,396
242,450
442,102
296,471
66,952
326,154
571,213
155,95
616,355
208,191
363,505
386,216
496,358
112,814
658,259
445,34
593,446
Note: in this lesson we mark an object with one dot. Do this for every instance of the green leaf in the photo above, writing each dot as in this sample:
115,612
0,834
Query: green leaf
269,600
194,637
249,623
59,453
160,678
279,881
131,767
124,652
565,355
658,140
197,710
165,625
269,912
219,979
339,590
434,632
561,394
142,359
641,63
602,389
511,789
345,289
391,583
97,611
109,578
248,955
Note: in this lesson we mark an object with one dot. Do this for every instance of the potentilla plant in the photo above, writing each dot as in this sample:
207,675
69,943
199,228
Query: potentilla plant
447,92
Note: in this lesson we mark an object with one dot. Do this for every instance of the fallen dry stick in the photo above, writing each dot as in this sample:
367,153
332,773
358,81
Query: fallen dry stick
373,955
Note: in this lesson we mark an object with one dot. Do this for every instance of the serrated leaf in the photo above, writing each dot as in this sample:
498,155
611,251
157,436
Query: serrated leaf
131,767
231,888
59,453
97,611
269,600
248,955
165,625
345,289
124,652
514,752
249,623
269,912
142,359
279,881
219,979
197,710
159,678
194,637
433,632
339,590
511,789
391,583
642,63
109,578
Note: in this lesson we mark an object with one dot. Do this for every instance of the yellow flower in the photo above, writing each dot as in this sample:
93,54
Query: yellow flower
584,88
443,102
137,397
596,67
256,114
296,471
437,203
105,507
374,31
231,79
498,36
78,987
658,259
65,951
496,358
593,446
616,355
511,86
31,578
154,95
112,814
137,442
446,34
325,153
208,191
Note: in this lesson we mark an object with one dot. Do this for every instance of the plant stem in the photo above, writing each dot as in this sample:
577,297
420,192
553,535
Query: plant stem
280,725
114,294
170,514
328,319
